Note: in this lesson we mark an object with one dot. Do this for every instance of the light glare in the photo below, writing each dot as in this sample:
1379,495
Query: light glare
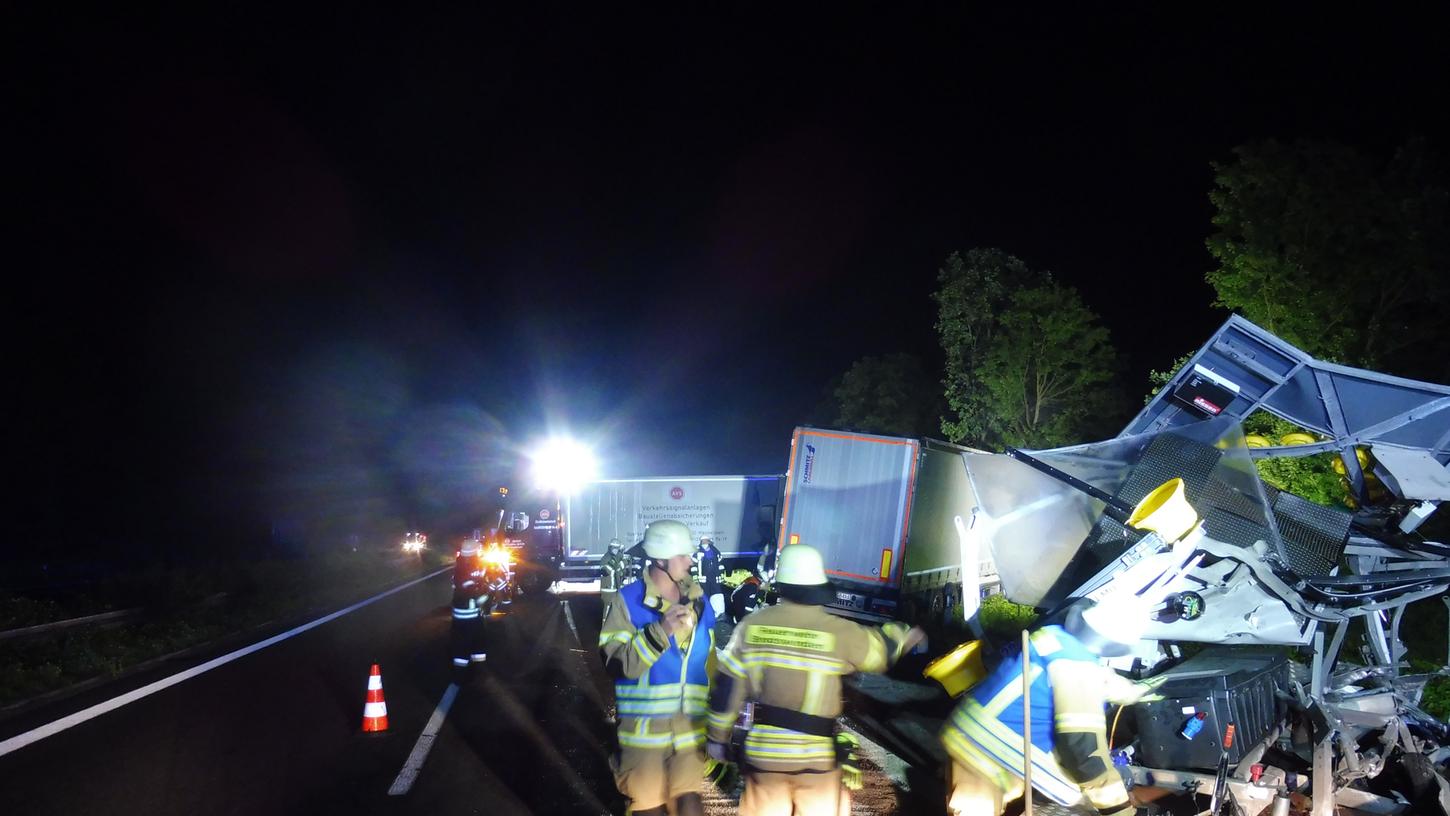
563,465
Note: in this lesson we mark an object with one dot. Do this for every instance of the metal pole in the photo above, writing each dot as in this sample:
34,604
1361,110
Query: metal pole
1322,782
1026,725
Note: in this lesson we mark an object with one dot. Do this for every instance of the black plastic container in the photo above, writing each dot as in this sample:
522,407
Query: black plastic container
1234,686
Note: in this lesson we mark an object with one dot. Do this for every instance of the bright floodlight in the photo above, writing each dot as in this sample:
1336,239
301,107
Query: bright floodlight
563,465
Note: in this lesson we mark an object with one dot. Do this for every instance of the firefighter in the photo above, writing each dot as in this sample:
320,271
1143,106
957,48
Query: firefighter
469,594
789,660
1070,689
613,573
658,644
707,567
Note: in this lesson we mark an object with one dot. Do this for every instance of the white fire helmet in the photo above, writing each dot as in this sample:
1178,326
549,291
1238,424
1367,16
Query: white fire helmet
800,565
666,539
1109,628
800,575
1114,624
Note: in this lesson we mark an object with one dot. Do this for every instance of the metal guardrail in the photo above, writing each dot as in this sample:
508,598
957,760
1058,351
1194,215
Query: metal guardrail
69,623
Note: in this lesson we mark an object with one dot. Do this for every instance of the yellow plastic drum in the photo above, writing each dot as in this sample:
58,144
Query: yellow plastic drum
1256,441
1297,439
959,669
1165,511
1360,454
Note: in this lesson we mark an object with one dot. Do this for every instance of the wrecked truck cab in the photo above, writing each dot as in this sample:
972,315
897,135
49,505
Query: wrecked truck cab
1273,577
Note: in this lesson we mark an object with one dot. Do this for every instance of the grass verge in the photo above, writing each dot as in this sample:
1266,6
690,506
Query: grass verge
183,608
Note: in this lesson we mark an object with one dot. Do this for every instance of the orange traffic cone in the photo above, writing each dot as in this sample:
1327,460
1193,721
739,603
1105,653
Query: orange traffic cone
375,710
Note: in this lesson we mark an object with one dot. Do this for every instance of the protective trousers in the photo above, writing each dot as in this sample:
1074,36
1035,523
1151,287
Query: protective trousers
802,794
654,777
466,637
970,793
1082,740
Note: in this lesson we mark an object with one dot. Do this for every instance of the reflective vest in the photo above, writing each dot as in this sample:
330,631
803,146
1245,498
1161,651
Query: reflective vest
467,587
677,681
611,571
985,730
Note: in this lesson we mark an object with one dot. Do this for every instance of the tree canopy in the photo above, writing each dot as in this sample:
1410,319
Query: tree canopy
1027,362
1338,252
890,394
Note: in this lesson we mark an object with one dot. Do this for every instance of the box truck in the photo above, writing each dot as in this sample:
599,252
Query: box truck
740,513
882,511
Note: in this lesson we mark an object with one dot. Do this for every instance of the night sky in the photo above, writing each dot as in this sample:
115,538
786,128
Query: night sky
359,259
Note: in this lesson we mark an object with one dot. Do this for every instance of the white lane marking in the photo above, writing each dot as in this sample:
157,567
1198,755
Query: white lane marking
570,616
409,774
50,729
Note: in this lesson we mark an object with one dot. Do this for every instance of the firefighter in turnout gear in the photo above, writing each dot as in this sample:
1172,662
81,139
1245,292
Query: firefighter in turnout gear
658,644
1070,689
788,660
469,596
614,572
707,571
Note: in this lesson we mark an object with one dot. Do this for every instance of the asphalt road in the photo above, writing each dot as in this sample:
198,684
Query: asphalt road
278,731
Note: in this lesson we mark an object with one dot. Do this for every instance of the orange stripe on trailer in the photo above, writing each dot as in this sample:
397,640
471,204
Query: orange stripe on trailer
859,438
790,476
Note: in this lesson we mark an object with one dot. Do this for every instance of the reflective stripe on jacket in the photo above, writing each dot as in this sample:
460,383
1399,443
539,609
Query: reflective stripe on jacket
793,656
985,730
655,678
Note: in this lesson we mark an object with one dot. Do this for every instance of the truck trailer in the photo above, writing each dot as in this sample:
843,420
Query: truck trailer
739,513
882,511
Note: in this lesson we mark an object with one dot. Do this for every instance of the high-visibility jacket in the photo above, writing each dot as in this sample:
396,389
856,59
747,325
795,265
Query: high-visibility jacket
707,568
468,587
657,675
1069,749
613,571
792,657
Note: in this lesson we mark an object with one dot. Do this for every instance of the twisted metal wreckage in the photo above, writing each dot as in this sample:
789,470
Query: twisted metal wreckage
1262,569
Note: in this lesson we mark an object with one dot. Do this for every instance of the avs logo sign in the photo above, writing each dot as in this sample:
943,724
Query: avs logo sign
677,493
810,464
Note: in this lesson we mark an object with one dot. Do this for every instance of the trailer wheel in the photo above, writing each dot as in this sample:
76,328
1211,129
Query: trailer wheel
938,602
953,601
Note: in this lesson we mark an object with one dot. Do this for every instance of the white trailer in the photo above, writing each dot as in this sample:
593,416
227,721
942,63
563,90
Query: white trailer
738,512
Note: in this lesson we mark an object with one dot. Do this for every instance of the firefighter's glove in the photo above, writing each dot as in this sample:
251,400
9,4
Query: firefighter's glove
846,747
723,775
